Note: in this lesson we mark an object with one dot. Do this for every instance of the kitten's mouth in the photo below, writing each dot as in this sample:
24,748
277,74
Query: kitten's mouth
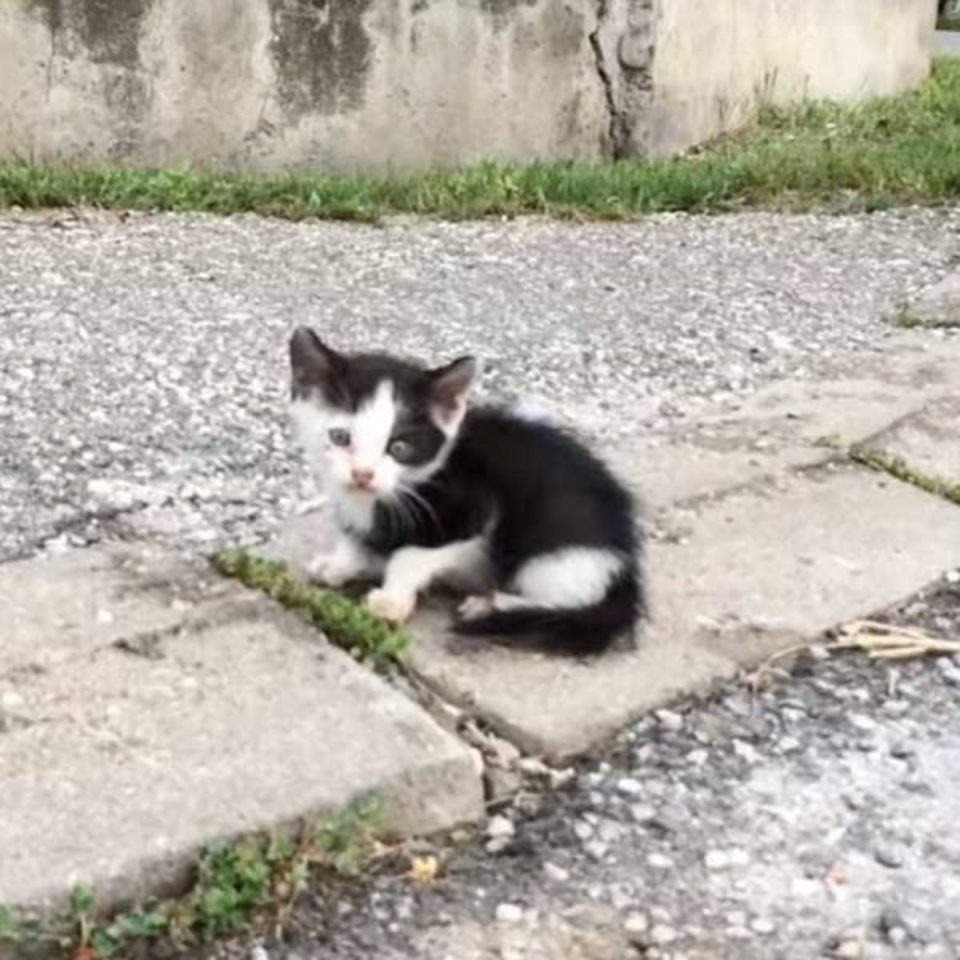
361,488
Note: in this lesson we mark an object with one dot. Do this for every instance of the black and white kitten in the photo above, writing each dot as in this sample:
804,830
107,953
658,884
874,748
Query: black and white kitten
427,490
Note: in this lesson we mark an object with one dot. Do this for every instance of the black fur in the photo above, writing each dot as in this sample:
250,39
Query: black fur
533,487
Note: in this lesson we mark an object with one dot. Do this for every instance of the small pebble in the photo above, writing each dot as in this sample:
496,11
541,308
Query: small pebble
660,861
888,856
949,670
642,812
897,936
670,720
509,913
662,933
500,827
716,860
636,923
849,950
861,722
629,786
555,873
596,849
762,926
721,859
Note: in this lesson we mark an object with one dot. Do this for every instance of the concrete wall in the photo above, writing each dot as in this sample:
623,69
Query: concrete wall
281,84
717,59
379,85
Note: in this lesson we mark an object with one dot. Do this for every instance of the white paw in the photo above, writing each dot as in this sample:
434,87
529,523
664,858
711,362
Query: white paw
475,607
328,569
392,607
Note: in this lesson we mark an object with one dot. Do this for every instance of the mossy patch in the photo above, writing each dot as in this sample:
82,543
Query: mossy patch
343,620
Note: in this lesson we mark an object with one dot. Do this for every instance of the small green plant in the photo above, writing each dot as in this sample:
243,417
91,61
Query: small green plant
348,843
898,468
344,621
253,883
11,930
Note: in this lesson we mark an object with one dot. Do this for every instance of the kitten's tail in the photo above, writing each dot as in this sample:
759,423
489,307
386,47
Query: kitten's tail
577,631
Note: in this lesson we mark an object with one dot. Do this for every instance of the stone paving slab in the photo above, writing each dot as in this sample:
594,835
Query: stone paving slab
735,578
145,712
928,441
937,306
781,427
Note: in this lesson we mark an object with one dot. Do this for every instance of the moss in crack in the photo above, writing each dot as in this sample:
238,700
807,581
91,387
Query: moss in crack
908,320
898,468
342,619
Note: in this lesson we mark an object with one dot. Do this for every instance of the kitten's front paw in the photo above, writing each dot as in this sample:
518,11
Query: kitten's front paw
330,571
475,607
392,607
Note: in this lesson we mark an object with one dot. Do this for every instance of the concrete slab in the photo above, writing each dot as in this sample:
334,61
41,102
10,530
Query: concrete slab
928,441
737,578
937,306
145,712
781,427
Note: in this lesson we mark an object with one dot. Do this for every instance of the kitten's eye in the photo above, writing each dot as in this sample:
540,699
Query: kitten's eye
402,451
339,437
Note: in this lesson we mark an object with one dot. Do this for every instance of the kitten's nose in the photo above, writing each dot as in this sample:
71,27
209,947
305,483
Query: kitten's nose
362,478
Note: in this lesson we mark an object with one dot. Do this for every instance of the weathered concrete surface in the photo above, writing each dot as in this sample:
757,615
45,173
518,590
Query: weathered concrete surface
276,84
780,427
383,85
732,580
937,306
715,63
145,712
928,441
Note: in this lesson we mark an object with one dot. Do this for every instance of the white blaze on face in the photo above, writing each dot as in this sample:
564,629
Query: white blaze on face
369,428
370,433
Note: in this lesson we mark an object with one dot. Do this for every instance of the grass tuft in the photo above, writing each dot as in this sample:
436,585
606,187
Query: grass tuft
894,150
236,888
342,619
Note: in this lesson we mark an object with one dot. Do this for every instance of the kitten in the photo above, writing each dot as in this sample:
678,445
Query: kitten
427,490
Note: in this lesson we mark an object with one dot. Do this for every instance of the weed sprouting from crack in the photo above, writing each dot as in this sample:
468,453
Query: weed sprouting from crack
343,620
237,887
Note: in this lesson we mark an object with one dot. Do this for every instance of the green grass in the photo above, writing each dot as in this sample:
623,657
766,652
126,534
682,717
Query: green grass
238,887
343,620
897,150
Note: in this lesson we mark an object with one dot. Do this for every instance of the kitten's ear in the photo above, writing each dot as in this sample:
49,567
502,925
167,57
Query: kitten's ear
315,366
450,386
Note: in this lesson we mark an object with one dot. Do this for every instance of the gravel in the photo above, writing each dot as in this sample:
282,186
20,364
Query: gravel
142,392
143,358
823,850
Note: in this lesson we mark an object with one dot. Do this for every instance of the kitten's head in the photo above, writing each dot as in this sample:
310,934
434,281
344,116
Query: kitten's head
372,423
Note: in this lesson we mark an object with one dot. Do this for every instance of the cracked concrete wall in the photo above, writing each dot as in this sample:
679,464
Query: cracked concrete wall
716,61
395,85
370,85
